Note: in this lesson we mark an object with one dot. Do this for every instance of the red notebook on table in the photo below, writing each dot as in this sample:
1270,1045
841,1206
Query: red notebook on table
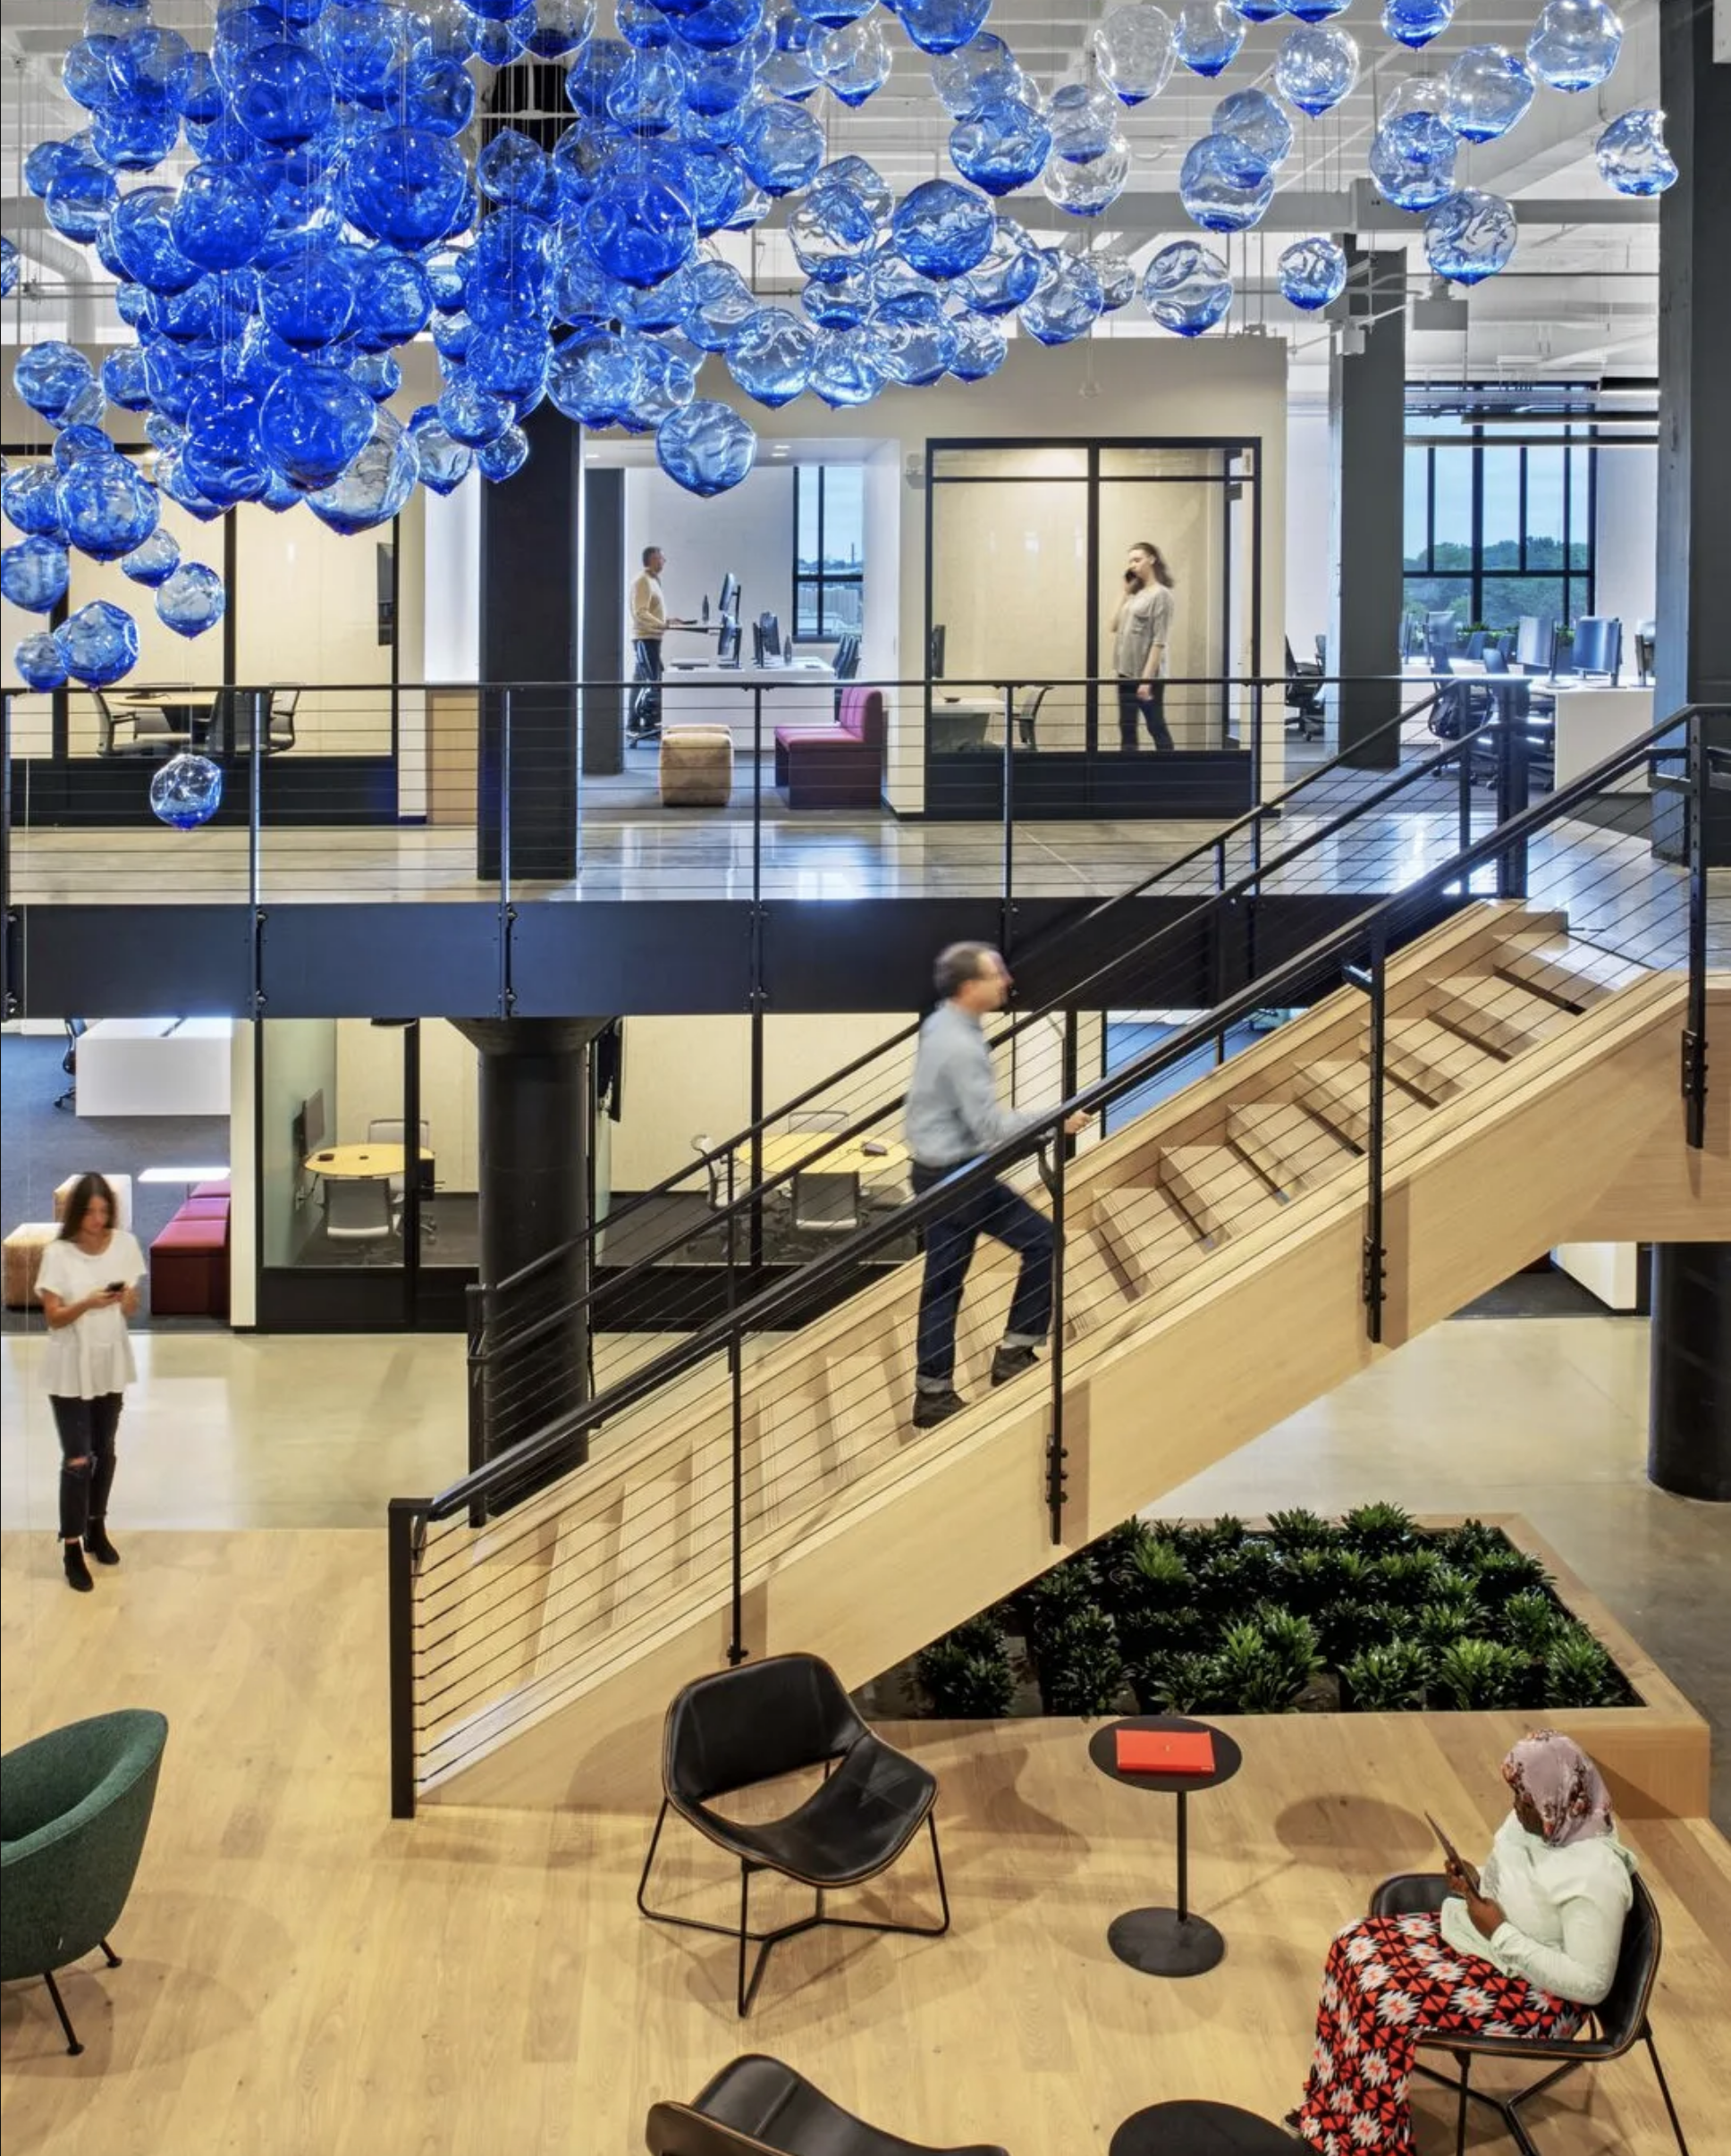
1165,1752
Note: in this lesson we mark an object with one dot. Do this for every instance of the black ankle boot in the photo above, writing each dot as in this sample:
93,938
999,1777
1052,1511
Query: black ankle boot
78,1573
96,1542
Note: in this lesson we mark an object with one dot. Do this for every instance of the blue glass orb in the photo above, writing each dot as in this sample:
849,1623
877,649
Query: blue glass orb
1485,92
308,298
786,69
187,791
406,186
202,99
707,448
1574,44
222,453
1315,68
132,302
943,230
174,482
376,485
501,43
434,93
78,200
473,414
518,175
172,378
667,382
191,599
1224,186
39,662
718,301
590,76
88,406
718,88
639,230
33,574
87,75
8,267
511,270
845,372
1118,278
1316,11
983,71
1632,155
155,561
313,423
781,147
359,41
497,11
31,498
1186,288
942,26
1411,160
980,348
1006,275
596,380
1002,147
79,444
721,26
1470,237
841,302
379,373
894,279
645,93
1067,302
221,217
510,362
833,14
444,461
642,25
445,274
1207,36
1313,273
281,94
771,357
392,300
1260,11
445,27
504,457
1414,22
558,27
853,63
1085,191
1083,122
98,645
141,234
1258,121
866,182
831,232
131,141
107,507
1134,50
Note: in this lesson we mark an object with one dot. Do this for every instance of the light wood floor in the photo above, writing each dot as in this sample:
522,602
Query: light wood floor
303,1974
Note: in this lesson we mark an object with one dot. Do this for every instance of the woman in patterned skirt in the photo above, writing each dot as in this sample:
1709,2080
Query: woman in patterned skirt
1518,1950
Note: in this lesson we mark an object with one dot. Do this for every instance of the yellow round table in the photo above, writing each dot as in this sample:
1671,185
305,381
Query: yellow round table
359,1163
785,1150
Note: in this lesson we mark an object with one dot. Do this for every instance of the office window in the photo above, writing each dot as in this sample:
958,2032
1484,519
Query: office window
1495,530
829,550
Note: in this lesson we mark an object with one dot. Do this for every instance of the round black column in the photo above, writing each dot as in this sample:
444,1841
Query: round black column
535,1206
1689,1447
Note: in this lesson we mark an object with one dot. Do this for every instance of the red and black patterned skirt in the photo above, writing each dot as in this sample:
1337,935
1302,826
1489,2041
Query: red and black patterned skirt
1389,1981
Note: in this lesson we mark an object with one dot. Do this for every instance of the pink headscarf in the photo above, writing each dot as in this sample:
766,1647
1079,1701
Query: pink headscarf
1563,1786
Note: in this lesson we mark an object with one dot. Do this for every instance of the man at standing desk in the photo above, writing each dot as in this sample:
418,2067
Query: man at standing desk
649,625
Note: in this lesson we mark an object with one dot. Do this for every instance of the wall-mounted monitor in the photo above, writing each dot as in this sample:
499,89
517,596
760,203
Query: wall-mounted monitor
312,1124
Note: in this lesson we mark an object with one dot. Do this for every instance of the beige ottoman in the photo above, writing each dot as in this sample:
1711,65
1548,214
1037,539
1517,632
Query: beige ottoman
24,1247
121,1185
696,767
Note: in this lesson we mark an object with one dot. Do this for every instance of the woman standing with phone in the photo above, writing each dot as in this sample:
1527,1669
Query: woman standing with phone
89,1287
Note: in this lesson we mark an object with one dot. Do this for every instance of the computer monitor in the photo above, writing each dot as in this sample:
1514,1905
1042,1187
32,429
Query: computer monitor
728,606
1533,635
1598,644
758,649
771,626
935,652
312,1122
727,644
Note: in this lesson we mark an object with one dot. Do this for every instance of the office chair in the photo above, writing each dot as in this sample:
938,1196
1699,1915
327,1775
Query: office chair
1644,639
151,737
934,653
69,1063
1303,696
280,720
388,1130
756,2105
1440,640
1028,717
718,1172
644,723
846,658
357,1210
825,1201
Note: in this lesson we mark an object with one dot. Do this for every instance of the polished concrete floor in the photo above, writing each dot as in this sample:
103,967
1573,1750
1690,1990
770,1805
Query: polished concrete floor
1543,1417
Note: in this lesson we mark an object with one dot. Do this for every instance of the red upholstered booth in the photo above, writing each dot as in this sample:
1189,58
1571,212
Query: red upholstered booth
839,766
189,1260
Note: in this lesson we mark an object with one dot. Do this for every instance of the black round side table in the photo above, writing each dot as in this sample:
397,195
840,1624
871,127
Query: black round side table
1199,2129
1161,1942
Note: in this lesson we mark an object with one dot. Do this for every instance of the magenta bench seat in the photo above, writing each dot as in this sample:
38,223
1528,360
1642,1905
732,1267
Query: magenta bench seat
839,766
189,1260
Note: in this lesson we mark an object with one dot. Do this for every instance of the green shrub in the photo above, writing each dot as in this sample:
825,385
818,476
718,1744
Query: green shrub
964,1686
1499,1574
1386,1680
1347,1627
1299,1529
1579,1672
1440,1624
1466,1544
1251,1675
1159,1573
1478,1674
1081,1665
1210,1538
1453,1583
1050,1602
1378,1529
1292,1640
1180,1684
1406,1578
1145,1634
1530,1621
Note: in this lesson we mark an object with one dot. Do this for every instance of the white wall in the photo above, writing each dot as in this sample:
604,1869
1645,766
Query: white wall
749,529
1310,483
243,1208
453,584
299,1060
1627,521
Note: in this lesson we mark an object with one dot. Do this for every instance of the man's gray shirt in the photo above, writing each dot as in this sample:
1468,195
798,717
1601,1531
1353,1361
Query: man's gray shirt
952,1113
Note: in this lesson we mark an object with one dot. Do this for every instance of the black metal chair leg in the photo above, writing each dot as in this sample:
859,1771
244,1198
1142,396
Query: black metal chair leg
654,1843
1460,2118
937,1865
1665,2089
741,1996
114,1958
73,2046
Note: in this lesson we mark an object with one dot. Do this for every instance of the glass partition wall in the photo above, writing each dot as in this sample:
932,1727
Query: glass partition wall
1026,548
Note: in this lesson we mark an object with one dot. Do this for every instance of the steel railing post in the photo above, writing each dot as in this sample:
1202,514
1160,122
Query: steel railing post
403,1546
1057,1480
1695,1037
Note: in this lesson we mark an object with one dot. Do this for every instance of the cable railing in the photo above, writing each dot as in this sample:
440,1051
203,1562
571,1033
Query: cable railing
723,1452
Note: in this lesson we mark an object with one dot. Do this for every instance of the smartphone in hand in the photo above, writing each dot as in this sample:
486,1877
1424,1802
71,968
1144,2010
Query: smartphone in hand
115,1287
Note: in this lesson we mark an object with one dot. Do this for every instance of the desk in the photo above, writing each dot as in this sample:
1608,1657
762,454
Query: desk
361,1163
721,695
784,1151
154,1066
1595,723
961,722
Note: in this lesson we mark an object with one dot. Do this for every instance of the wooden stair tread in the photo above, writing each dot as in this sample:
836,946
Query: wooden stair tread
1570,973
1434,1062
1336,1090
1217,1188
1503,1016
1289,1144
1151,1238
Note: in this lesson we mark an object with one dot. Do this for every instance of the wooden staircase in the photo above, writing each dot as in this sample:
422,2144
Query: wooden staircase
1212,1270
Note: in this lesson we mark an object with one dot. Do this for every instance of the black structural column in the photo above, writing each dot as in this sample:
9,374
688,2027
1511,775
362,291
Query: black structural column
604,620
1689,1447
534,1182
1367,422
531,530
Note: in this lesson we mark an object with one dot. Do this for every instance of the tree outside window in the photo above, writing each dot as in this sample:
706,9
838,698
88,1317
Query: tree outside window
1497,530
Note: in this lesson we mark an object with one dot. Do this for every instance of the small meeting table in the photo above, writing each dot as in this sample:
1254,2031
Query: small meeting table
1167,1941
361,1163
783,1151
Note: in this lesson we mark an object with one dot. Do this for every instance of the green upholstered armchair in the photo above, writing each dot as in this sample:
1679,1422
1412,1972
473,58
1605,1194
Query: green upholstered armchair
74,1809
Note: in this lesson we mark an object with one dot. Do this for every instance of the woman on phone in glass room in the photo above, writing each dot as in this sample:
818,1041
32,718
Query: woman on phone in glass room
89,1287
1521,1946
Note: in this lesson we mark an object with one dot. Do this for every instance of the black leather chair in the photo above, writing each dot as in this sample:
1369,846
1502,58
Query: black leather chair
758,2105
1620,2017
1303,696
755,1723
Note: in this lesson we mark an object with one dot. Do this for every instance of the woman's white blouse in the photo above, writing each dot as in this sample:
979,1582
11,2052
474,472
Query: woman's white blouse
93,1355
1564,1908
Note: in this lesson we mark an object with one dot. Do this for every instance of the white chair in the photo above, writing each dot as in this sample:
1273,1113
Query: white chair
388,1130
358,1209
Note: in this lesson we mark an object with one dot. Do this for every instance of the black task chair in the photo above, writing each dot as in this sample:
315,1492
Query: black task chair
753,1724
1621,2015
69,1063
757,2104
1303,696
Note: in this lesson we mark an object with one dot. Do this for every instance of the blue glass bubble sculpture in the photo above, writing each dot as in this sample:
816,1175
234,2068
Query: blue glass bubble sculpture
1067,302
33,574
1470,237
770,358
1085,191
845,372
48,376
221,216
666,383
510,268
912,341
313,423
1313,273
831,231
78,200
1574,44
853,62
1315,68
1412,160
718,300
191,599
76,444
1260,11
841,302
432,93
107,507
222,452
1316,11
983,71
1185,288
359,43
1118,278
643,97
379,373
943,230
1207,36
406,186
781,147
1632,155
155,561
1258,121
444,461
98,645
1414,22
510,362
642,25
392,300
1224,186
1135,51
942,26
1485,92
31,498
281,94
558,27
1007,275
597,381
707,448
39,662
1003,147
638,229
786,70
980,348
1083,122
141,234
8,267
187,791
376,484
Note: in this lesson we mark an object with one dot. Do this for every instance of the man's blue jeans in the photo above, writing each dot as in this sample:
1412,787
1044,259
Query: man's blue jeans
996,1210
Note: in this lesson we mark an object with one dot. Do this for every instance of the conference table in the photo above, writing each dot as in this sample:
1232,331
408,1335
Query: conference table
962,722
706,694
361,1163
783,1152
